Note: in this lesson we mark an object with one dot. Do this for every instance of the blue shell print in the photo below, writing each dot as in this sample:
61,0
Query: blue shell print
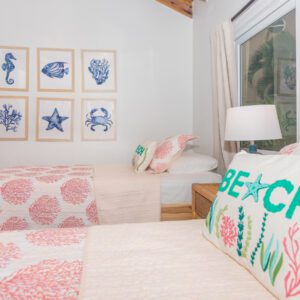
99,68
56,69
10,118
8,67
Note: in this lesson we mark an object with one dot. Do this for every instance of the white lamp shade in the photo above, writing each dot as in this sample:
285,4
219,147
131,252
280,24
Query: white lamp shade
252,123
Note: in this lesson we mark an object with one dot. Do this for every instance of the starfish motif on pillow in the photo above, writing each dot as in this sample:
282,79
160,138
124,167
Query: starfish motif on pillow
55,121
254,188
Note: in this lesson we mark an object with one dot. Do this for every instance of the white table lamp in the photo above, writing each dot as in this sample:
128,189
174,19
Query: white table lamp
252,123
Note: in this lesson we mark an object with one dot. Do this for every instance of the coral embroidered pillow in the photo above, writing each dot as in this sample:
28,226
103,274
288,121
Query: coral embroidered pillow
143,156
291,149
255,218
168,151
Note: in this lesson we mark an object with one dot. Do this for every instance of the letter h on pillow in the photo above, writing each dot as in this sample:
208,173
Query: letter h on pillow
255,218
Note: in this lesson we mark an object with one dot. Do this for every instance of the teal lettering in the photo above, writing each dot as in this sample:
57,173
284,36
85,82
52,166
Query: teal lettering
271,207
238,183
227,179
293,206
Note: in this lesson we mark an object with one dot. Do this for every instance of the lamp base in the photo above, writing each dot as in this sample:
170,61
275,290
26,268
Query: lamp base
252,149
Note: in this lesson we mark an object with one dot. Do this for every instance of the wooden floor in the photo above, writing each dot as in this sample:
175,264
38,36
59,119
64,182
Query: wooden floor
176,212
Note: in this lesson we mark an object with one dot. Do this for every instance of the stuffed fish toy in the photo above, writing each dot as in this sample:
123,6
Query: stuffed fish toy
56,69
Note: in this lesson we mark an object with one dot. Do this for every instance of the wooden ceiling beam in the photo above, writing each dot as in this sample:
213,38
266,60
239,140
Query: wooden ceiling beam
182,6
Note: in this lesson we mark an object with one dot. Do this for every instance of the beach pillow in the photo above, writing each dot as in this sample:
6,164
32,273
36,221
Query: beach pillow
168,151
255,218
143,156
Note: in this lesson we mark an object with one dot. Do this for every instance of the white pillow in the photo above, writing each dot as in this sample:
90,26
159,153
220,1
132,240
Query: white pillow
143,156
190,163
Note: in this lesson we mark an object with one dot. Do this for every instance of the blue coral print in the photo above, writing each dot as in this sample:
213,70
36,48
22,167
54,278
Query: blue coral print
99,68
93,119
8,67
55,121
56,69
10,118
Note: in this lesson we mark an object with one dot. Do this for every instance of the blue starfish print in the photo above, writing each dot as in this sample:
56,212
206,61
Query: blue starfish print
254,188
55,121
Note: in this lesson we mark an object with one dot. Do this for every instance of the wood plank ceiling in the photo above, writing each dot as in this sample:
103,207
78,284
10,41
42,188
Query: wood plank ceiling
182,6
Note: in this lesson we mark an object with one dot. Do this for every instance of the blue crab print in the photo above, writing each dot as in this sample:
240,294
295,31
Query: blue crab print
99,68
8,67
10,118
56,69
93,120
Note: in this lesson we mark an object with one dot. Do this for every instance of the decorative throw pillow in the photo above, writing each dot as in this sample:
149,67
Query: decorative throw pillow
255,218
191,163
291,149
168,151
143,156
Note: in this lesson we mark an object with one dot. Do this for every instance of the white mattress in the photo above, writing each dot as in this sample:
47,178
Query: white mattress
177,188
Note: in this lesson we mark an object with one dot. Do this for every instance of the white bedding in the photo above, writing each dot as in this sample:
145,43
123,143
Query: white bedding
166,260
177,188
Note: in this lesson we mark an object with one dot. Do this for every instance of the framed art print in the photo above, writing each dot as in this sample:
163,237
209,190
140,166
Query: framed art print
99,71
98,120
55,70
286,81
13,118
54,120
14,68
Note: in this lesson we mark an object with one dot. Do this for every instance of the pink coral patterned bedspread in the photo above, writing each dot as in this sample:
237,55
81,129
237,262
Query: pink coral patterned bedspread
44,197
41,264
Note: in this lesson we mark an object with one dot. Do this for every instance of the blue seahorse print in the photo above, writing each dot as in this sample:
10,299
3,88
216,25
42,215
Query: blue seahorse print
55,69
99,68
8,67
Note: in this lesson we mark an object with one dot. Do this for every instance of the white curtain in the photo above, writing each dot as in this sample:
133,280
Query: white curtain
224,90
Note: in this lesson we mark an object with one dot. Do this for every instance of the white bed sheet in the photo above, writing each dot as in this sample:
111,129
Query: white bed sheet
177,188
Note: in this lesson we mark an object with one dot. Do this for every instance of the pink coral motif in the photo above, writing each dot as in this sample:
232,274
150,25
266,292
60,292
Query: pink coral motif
92,213
14,223
9,171
44,210
291,248
3,177
40,169
60,167
28,174
17,191
79,174
75,190
58,171
163,150
7,253
71,222
57,236
49,279
49,178
183,139
228,231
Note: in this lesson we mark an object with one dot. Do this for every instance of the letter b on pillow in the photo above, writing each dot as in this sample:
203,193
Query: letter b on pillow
256,219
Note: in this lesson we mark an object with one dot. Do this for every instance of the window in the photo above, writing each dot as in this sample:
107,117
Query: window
268,75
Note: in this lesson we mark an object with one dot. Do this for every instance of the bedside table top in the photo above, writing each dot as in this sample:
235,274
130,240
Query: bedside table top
208,191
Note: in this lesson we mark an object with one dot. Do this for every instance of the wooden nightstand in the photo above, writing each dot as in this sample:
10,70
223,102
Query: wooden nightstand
203,196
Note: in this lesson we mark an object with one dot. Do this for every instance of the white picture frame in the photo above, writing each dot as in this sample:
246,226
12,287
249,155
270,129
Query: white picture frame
99,70
98,121
13,118
14,68
54,120
55,70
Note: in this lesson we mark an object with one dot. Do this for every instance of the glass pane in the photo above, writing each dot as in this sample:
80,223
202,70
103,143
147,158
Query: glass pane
268,70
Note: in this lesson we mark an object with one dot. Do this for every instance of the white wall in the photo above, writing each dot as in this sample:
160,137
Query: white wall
207,16
154,48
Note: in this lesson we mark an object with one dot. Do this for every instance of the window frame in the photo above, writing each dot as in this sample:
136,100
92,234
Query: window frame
266,12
